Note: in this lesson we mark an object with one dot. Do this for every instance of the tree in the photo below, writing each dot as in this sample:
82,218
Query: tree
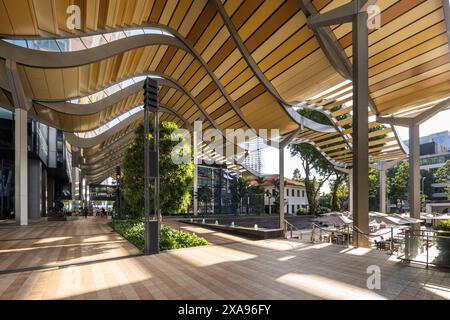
397,179
276,194
443,176
256,194
238,190
175,179
335,184
204,195
297,176
374,190
342,194
317,171
268,194
316,167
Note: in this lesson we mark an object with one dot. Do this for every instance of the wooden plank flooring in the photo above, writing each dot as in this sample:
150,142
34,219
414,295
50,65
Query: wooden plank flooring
84,259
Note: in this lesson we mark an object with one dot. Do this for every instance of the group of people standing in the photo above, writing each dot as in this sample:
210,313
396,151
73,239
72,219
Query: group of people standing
86,212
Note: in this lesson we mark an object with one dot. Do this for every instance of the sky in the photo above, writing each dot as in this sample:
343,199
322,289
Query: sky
438,123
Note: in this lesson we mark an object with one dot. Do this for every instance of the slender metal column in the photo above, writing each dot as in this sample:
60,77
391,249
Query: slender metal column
382,182
21,167
281,176
360,129
414,172
146,166
195,188
195,154
157,211
151,165
350,191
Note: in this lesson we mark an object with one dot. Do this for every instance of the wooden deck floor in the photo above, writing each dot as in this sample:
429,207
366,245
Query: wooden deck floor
84,259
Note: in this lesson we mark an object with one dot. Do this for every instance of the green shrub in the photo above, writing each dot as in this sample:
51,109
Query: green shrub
322,210
301,211
444,225
133,231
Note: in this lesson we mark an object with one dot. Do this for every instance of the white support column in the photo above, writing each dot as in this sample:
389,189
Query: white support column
21,167
281,176
382,179
414,172
412,240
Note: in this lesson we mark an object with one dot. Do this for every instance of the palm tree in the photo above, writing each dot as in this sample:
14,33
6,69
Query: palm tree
269,195
204,195
239,189
276,193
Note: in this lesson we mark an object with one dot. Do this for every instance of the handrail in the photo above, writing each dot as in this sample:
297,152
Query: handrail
291,228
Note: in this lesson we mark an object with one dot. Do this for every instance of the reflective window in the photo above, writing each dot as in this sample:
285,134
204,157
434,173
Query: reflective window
109,125
94,41
110,90
71,44
20,43
43,45
82,43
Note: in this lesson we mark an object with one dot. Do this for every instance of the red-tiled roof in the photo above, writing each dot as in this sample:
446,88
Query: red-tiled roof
268,181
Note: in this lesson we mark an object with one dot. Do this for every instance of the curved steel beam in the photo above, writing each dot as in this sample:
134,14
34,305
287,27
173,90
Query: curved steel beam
258,72
64,59
167,79
94,141
109,149
77,58
82,109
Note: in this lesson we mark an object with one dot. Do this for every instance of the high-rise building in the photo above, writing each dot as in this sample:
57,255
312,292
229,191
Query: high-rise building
434,152
441,138
253,160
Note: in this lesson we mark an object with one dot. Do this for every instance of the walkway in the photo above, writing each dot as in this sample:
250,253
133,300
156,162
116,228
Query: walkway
83,259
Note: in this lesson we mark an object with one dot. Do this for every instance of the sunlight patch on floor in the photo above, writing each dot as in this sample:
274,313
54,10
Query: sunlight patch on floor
438,290
286,258
327,288
208,256
357,251
51,239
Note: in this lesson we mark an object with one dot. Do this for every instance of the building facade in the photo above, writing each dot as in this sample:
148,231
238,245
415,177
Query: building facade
217,181
434,152
294,198
49,167
253,160
431,162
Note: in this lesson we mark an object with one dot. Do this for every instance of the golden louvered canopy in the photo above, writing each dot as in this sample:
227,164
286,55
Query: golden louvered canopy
232,64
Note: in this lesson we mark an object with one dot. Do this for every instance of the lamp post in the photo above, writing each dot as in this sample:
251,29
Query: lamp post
151,168
118,195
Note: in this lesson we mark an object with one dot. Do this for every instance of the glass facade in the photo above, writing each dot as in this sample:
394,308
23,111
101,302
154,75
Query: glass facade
438,159
45,144
6,164
219,181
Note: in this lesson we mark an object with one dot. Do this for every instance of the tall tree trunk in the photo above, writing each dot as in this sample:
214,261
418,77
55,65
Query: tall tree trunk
334,200
334,190
310,195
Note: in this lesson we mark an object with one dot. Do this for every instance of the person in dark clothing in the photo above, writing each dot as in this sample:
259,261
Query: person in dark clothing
85,212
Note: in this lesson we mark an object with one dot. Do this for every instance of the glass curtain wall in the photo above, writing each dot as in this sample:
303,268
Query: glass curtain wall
214,195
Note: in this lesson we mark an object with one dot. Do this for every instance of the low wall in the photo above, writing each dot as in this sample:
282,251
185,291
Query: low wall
250,233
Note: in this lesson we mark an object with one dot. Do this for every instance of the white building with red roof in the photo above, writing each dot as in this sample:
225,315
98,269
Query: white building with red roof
294,194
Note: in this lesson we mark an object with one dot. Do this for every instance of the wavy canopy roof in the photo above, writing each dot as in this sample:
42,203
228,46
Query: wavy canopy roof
233,64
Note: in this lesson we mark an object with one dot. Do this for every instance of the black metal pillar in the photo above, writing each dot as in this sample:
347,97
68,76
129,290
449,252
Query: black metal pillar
152,217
